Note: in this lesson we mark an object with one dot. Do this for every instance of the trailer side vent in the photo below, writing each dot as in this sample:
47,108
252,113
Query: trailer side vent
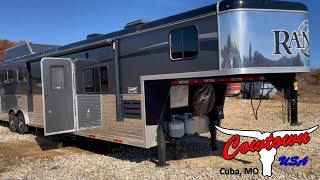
132,109
136,23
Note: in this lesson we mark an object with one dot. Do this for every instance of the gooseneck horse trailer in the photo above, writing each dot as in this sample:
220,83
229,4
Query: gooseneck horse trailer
156,81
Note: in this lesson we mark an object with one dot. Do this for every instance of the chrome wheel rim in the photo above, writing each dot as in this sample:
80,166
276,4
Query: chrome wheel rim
12,123
20,123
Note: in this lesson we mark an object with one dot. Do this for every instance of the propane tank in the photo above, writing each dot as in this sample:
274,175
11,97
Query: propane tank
189,124
176,127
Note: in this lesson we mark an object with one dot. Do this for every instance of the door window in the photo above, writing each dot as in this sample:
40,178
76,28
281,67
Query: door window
57,77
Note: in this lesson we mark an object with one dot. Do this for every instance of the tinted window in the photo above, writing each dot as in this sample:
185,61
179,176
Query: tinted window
10,75
88,80
176,44
184,43
2,78
104,79
57,77
21,74
190,42
35,78
95,80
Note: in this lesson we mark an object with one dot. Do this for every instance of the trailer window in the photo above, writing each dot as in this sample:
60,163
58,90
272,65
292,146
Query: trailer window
1,77
96,80
9,76
88,80
176,44
104,79
184,43
190,42
35,79
57,77
21,74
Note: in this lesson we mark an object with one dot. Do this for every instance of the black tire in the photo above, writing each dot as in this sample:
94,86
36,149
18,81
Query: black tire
22,127
13,123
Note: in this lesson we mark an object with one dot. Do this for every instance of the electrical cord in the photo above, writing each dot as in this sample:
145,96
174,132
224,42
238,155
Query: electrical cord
162,112
255,111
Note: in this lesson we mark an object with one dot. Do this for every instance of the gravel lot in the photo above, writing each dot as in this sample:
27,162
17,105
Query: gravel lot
7,136
36,157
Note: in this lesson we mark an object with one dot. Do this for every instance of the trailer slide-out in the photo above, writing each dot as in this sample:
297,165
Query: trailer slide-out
158,80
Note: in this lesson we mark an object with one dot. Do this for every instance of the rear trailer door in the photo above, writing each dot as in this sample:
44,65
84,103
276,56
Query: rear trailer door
58,95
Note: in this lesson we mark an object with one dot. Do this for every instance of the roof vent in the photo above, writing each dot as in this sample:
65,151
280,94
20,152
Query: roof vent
136,23
93,35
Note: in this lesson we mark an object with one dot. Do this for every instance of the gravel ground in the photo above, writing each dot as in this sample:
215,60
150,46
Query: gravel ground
7,136
189,158
79,166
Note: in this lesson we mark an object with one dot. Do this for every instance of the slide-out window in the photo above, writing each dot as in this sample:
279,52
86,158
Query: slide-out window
184,43
96,80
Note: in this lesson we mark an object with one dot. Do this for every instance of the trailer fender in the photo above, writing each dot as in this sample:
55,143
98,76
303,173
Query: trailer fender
17,111
14,110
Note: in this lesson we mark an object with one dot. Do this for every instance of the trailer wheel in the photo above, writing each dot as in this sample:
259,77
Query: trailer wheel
22,127
13,123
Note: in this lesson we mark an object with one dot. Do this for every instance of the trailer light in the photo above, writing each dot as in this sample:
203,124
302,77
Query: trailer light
197,81
253,78
295,85
118,140
218,80
92,136
180,82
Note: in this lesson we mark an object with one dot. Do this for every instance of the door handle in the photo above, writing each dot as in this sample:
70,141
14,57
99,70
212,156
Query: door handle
46,96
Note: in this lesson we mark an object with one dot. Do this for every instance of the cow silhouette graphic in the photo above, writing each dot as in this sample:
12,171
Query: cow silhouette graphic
266,156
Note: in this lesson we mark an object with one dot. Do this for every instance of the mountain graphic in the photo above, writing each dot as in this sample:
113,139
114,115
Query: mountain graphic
231,58
258,60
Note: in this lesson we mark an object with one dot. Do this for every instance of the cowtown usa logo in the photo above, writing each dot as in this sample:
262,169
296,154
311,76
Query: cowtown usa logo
266,144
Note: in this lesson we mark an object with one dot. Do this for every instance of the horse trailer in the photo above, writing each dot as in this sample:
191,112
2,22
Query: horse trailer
154,81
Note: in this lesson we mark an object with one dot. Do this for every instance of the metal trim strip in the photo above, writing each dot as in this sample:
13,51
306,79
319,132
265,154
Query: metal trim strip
262,10
228,72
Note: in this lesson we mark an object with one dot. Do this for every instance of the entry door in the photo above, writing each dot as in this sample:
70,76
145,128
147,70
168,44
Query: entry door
58,95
